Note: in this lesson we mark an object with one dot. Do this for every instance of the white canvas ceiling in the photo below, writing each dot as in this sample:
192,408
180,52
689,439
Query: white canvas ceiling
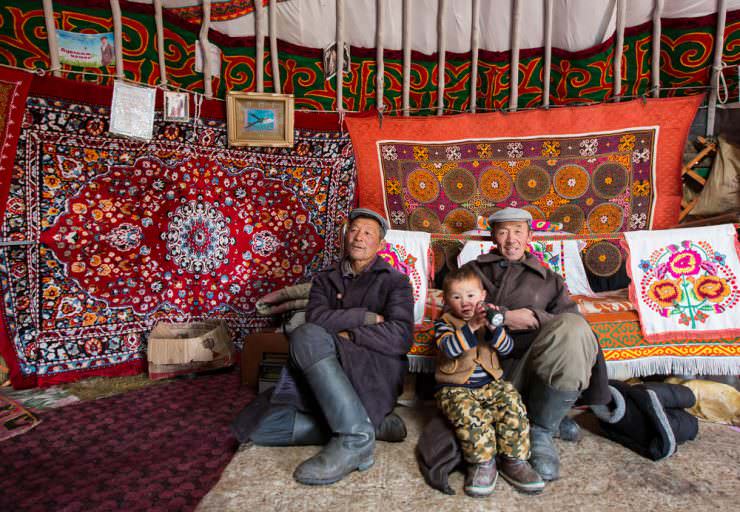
577,24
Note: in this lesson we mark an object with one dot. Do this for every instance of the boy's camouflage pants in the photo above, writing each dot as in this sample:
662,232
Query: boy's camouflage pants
487,420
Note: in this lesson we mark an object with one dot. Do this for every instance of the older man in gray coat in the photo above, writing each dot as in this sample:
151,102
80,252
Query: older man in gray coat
348,361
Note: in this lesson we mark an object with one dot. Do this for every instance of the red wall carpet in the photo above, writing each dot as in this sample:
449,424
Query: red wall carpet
160,448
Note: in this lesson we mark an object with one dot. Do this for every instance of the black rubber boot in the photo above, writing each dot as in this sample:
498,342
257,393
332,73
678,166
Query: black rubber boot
353,442
392,430
546,408
283,425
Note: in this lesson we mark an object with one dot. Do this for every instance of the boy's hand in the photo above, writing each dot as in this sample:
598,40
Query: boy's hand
479,318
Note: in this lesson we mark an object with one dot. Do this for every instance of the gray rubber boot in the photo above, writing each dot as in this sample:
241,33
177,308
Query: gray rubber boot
569,430
283,425
353,442
546,408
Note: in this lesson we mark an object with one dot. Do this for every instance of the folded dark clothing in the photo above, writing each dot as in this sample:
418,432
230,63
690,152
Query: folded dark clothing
640,419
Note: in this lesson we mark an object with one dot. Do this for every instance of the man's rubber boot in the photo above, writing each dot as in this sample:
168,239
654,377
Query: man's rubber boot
392,430
569,430
284,425
352,445
546,408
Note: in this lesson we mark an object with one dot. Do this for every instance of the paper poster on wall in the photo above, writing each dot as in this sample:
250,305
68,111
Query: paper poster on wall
132,110
214,54
176,106
86,50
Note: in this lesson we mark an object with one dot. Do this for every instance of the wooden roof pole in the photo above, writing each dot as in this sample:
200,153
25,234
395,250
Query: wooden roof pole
160,41
51,35
618,50
117,37
474,47
548,55
719,46
259,45
655,51
340,54
405,94
274,55
441,51
379,60
204,46
514,66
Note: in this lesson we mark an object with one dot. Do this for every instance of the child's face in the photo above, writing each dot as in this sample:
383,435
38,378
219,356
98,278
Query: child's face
463,297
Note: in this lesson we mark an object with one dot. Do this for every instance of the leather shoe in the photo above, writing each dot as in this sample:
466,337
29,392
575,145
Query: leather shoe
520,475
481,479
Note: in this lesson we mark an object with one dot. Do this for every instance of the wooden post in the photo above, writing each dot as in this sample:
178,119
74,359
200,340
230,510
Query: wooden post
406,92
618,50
474,47
51,34
274,55
719,46
117,37
547,64
340,54
160,41
514,66
441,50
259,44
204,46
655,68
379,59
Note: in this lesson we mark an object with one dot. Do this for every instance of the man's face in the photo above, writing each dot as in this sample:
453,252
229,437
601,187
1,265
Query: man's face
512,238
463,297
363,240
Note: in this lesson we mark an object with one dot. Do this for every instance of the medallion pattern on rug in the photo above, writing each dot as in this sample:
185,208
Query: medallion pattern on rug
122,233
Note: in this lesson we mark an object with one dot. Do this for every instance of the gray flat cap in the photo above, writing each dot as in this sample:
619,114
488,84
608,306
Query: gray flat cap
369,214
510,215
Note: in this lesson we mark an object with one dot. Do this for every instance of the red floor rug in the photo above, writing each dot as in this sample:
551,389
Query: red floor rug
160,448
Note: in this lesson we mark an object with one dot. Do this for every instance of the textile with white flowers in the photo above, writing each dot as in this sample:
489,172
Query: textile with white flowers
686,280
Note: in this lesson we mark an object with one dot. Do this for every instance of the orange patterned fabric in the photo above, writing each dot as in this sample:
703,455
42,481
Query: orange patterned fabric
435,174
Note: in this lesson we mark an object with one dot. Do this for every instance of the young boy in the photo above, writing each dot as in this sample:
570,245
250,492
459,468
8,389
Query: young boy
486,411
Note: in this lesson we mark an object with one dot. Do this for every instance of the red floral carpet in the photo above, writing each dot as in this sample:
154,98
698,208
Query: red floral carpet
160,448
121,233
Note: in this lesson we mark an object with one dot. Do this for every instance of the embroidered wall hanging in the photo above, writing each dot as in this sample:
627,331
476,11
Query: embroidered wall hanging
597,170
409,253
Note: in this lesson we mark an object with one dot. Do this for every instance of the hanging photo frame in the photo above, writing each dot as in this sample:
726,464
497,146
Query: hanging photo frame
176,106
259,119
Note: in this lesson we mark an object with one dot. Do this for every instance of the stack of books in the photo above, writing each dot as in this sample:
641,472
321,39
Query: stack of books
269,370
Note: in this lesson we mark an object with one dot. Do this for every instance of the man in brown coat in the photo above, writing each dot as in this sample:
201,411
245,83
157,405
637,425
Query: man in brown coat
556,355
348,361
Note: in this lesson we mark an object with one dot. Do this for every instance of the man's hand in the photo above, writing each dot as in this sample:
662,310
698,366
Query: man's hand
379,319
344,334
521,319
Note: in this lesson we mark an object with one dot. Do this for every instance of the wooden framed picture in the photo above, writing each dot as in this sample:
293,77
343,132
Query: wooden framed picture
259,119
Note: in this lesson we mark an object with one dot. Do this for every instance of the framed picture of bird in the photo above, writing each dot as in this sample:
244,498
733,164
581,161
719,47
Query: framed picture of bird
259,119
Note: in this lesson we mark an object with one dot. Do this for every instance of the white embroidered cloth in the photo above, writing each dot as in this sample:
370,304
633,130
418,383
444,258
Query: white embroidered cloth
685,281
408,252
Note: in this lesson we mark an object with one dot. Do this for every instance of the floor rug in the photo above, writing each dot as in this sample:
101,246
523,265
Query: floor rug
38,399
160,448
116,234
596,475
14,419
